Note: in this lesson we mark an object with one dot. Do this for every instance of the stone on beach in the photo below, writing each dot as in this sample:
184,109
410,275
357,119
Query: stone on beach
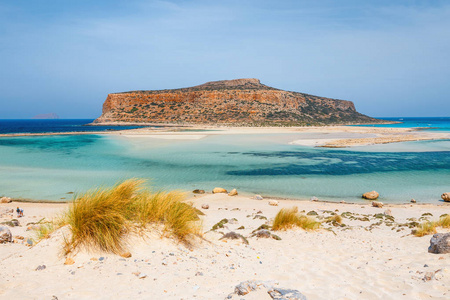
258,197
205,206
371,195
69,261
5,200
273,202
219,190
5,235
446,197
126,254
314,198
413,201
233,192
277,293
377,204
440,243
198,191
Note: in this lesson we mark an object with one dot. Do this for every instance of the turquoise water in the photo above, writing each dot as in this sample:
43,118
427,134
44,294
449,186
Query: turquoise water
49,167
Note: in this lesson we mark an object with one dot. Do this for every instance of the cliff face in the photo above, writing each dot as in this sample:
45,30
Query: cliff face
234,102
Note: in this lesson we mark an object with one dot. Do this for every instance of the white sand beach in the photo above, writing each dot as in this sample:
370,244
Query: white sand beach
369,258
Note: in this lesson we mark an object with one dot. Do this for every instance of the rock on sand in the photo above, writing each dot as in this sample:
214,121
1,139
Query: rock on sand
219,190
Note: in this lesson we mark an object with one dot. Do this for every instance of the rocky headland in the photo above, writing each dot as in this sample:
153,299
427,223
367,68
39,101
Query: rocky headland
239,102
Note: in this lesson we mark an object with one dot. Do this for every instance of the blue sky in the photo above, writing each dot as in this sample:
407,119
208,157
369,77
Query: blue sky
392,58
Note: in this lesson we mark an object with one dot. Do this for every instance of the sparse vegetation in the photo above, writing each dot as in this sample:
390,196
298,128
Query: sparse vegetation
429,227
425,228
102,218
289,217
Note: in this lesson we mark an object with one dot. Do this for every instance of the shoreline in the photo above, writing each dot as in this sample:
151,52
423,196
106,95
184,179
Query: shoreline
365,135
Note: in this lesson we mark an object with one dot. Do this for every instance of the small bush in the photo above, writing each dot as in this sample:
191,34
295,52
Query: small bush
288,217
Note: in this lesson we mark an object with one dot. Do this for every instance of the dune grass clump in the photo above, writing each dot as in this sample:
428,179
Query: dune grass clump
429,227
288,218
102,218
444,221
425,228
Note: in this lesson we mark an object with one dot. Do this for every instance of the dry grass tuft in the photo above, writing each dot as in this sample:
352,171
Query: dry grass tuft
444,222
102,218
425,228
288,217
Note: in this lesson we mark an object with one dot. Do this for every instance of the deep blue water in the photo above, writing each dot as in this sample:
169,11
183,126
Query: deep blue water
437,123
46,126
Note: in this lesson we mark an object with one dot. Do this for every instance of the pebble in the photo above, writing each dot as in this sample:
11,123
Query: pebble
41,267
101,258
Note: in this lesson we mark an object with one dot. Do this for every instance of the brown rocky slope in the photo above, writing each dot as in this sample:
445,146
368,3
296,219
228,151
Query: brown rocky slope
239,102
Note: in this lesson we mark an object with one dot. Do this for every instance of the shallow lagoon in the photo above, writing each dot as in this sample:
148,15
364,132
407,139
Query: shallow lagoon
49,167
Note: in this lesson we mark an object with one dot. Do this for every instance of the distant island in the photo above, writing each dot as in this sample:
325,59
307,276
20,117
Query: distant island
238,102
50,116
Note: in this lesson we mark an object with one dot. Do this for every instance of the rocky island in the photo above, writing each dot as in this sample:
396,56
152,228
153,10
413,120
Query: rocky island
238,102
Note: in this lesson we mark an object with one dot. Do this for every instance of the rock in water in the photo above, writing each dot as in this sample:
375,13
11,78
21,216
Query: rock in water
371,195
273,202
233,192
219,190
5,235
446,197
440,243
413,201
314,198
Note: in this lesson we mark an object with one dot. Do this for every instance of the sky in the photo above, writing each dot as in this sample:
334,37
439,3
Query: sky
391,58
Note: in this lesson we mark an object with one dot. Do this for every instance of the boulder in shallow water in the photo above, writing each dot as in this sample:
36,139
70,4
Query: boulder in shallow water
413,201
5,235
233,192
218,190
440,243
371,195
446,197
314,198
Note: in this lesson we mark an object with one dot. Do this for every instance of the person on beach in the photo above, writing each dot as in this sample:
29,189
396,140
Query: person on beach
19,212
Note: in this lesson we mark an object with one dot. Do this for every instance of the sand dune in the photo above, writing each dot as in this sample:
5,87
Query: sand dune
358,261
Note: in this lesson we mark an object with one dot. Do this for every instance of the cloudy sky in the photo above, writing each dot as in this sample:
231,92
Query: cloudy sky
392,58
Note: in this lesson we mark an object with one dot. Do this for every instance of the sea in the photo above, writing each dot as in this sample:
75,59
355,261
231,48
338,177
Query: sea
57,167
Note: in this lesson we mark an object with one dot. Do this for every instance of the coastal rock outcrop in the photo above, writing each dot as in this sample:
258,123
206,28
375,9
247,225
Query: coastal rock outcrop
239,102
371,195
440,243
446,197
